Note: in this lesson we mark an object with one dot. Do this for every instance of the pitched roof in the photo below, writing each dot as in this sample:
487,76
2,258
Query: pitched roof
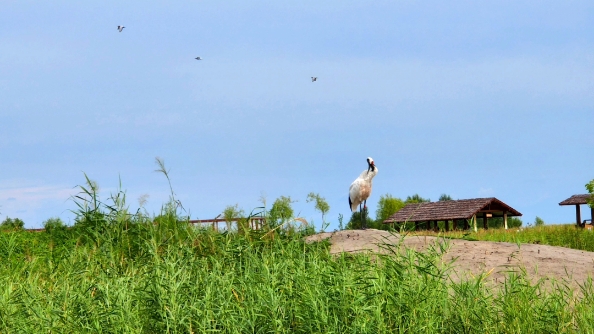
448,210
576,200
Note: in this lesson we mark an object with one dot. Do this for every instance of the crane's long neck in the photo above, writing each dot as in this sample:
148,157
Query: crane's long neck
369,175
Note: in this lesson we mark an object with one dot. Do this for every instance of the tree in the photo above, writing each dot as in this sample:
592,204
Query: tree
10,224
590,187
386,207
538,221
281,211
355,221
231,212
416,199
321,204
445,197
54,224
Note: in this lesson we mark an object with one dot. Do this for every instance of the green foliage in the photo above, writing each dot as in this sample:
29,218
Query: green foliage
355,221
281,211
590,188
54,224
12,224
321,204
416,199
166,278
445,197
538,221
497,222
387,206
513,222
231,212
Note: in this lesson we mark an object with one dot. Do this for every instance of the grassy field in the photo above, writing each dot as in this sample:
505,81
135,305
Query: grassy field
555,235
145,278
117,272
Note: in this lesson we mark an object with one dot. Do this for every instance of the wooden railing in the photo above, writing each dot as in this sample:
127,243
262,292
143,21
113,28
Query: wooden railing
255,223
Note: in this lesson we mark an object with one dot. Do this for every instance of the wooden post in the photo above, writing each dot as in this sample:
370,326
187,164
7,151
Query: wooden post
447,225
474,223
416,226
592,216
455,223
505,219
486,221
436,226
578,215
466,227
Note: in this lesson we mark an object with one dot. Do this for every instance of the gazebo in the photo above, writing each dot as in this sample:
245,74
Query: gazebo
578,200
458,211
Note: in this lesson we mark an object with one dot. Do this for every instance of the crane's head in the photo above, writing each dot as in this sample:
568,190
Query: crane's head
370,164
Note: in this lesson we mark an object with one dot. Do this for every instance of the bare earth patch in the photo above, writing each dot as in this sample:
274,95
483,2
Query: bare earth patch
476,257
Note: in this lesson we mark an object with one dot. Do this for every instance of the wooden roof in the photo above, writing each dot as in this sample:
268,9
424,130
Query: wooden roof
576,200
448,210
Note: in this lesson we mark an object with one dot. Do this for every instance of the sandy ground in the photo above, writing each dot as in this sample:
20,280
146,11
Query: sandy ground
476,257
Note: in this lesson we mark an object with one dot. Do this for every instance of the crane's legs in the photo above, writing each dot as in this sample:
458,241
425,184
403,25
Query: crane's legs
363,212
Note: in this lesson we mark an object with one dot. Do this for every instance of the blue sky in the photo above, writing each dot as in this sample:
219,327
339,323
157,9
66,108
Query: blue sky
471,99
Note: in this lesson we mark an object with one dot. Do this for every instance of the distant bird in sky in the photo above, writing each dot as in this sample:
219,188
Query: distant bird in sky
120,28
198,58
360,191
313,79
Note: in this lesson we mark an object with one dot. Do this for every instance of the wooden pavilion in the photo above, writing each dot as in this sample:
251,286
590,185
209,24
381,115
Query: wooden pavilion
578,200
458,211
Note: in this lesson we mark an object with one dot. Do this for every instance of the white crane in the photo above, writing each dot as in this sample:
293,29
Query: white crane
120,28
360,191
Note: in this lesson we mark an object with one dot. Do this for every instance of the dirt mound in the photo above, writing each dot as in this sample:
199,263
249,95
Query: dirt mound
475,257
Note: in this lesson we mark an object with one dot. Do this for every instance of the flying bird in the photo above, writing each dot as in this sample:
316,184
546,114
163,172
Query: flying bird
314,79
360,191
120,28
198,58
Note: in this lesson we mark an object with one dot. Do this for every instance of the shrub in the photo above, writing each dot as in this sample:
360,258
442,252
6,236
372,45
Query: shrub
281,211
54,224
321,205
232,212
10,224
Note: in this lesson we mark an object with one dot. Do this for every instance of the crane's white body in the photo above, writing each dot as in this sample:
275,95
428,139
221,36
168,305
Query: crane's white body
360,189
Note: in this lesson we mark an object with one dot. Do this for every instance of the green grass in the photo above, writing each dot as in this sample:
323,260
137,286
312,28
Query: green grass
117,272
151,279
568,236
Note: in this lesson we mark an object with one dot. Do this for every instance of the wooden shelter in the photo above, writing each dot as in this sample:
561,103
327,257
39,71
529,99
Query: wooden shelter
458,211
578,200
